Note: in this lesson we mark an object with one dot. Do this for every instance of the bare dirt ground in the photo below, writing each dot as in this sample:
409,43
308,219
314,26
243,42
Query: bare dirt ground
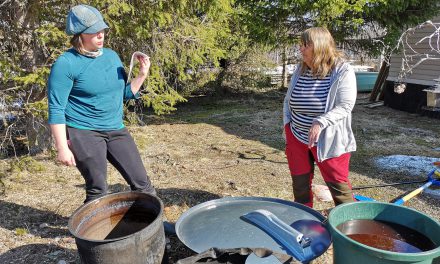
210,148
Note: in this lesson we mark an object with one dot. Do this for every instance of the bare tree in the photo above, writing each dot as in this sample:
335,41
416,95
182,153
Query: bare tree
413,57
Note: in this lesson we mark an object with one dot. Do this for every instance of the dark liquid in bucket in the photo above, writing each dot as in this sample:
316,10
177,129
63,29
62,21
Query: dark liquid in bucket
386,235
119,224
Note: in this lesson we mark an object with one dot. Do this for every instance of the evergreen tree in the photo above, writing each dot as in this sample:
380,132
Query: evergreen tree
182,37
353,23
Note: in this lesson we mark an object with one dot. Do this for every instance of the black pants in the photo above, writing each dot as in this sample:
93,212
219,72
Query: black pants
92,149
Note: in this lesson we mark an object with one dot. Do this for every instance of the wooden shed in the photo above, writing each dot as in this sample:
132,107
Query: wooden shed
421,52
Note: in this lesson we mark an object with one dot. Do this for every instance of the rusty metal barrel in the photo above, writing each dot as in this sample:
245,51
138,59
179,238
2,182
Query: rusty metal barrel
122,228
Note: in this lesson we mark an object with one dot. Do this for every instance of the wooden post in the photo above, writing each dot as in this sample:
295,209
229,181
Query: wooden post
381,78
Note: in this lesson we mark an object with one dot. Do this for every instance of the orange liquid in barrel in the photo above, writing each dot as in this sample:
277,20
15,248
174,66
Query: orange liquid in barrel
386,236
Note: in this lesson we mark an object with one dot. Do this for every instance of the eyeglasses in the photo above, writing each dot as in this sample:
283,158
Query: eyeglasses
306,45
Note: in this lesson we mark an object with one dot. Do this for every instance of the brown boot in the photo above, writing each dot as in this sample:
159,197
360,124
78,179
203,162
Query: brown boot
341,192
302,189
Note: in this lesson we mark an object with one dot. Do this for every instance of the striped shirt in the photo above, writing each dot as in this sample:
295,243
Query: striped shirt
307,101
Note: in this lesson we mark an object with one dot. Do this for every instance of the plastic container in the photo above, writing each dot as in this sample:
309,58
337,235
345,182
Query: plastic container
365,81
347,250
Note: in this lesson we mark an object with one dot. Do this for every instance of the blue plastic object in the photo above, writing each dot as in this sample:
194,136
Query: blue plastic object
363,198
293,240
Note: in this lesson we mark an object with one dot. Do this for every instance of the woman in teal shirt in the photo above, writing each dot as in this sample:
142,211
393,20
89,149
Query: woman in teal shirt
86,89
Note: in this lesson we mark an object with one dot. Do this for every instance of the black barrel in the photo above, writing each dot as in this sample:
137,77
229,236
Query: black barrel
120,228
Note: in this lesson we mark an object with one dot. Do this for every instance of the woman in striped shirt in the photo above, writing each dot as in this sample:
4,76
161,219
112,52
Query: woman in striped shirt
317,118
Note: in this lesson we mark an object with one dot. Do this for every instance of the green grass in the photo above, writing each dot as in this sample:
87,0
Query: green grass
26,163
422,142
21,231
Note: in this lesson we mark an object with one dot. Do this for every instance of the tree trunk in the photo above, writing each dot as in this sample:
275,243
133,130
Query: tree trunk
284,80
220,90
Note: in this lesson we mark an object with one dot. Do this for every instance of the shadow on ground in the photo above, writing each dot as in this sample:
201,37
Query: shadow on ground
16,216
38,253
188,198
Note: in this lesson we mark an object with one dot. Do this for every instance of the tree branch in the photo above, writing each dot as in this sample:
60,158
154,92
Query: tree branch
4,3
411,58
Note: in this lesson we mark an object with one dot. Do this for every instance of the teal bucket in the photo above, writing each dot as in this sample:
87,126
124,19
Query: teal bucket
365,81
347,250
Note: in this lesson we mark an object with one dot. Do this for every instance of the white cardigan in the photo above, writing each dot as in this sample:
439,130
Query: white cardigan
336,137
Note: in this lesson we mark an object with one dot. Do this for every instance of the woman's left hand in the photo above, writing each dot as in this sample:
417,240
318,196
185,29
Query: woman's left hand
314,132
144,65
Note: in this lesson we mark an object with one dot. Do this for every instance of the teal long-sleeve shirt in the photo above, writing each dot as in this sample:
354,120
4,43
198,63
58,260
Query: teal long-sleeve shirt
88,93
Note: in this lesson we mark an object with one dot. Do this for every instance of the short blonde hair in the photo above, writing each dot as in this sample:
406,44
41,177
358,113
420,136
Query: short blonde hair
77,44
325,54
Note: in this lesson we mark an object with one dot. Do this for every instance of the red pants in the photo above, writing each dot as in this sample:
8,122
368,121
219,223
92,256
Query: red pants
301,160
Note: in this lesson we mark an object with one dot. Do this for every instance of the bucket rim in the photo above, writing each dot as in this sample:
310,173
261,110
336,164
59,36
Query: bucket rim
372,250
82,207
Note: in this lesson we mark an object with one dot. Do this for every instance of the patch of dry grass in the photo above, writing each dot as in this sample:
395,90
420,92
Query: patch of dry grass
208,149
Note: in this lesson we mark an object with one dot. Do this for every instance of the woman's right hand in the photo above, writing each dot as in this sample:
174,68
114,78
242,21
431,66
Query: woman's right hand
65,156
62,144
144,65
